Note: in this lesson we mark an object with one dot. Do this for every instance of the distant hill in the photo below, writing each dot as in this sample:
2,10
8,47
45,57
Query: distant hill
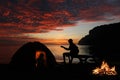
105,41
104,34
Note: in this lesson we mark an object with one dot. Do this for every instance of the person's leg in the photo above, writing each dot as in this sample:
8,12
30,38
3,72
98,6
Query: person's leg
65,55
70,61
71,57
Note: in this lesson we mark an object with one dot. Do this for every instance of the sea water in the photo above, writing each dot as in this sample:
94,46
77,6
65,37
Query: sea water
58,52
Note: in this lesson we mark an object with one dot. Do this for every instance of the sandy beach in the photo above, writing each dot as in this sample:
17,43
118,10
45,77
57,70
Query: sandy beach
60,72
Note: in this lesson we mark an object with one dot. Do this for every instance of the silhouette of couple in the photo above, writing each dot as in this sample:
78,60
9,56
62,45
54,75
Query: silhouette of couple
73,51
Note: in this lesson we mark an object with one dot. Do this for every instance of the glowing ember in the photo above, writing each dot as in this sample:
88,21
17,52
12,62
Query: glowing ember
104,70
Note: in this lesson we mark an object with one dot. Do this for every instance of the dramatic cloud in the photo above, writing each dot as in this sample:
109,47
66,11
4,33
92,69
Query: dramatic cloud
42,16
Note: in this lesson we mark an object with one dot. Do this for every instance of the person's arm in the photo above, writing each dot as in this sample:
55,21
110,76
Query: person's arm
65,48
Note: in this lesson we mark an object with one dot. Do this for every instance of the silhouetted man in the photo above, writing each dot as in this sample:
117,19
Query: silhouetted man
73,51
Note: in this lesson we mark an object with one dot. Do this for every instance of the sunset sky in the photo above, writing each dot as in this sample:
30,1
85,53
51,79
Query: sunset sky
53,21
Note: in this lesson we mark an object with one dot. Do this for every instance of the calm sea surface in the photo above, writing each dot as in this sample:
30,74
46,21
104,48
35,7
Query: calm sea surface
7,52
58,51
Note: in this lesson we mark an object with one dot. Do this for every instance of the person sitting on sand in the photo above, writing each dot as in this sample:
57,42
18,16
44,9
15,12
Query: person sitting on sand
73,51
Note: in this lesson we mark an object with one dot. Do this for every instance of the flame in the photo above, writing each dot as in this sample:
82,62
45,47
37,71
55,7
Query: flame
104,70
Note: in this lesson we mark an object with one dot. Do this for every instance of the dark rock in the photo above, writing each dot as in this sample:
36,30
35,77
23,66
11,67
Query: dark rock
104,41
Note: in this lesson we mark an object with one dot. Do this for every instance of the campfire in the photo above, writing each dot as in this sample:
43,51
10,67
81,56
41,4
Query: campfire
104,70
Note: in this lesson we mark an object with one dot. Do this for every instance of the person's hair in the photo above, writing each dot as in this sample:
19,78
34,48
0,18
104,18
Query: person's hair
70,40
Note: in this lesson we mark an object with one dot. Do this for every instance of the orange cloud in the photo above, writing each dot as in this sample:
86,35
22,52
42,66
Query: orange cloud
56,41
42,16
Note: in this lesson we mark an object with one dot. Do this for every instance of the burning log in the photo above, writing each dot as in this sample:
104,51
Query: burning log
104,70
